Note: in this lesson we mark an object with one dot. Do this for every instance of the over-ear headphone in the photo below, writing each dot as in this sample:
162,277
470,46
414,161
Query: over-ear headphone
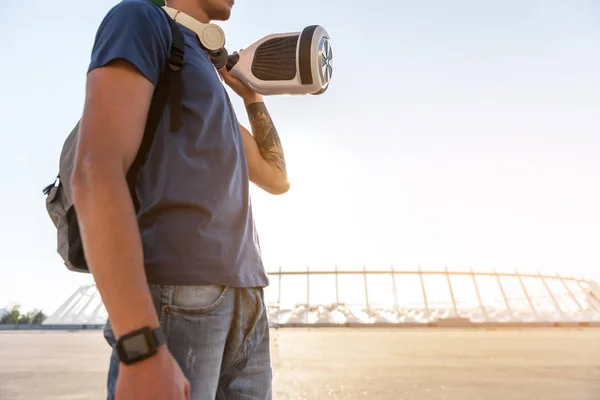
211,36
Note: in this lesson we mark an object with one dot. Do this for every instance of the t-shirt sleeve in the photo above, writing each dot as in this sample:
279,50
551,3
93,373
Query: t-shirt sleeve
136,31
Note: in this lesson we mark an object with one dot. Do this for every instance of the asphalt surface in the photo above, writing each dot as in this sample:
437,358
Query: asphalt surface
345,364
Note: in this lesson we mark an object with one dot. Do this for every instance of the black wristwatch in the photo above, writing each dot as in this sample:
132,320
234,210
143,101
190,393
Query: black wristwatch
139,344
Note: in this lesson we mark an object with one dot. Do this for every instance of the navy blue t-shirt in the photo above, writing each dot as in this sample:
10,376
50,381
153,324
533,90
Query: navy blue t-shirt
195,214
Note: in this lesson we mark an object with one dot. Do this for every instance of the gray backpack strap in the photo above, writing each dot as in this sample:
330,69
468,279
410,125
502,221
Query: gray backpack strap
59,198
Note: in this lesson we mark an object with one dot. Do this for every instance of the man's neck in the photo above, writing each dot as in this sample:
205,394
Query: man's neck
189,8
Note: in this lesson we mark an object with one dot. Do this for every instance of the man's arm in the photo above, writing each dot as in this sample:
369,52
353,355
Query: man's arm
127,59
116,107
266,161
128,56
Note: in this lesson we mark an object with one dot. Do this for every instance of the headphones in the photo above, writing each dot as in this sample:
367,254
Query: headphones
211,36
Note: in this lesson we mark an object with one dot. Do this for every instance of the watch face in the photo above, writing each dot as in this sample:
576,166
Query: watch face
136,346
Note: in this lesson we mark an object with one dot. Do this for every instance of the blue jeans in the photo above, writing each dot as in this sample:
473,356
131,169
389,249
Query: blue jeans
218,335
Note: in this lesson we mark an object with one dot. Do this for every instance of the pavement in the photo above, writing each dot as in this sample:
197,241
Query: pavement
345,364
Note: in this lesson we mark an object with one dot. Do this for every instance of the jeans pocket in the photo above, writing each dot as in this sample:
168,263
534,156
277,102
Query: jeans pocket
197,300
109,335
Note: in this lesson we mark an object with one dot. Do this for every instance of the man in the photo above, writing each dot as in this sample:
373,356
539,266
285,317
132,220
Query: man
189,266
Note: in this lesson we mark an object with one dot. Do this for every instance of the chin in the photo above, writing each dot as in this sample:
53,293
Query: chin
220,15
221,11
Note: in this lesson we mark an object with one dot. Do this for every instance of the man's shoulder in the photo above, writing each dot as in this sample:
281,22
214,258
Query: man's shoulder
138,12
137,31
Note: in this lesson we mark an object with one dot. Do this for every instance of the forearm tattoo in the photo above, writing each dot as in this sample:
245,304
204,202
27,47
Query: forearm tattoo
265,135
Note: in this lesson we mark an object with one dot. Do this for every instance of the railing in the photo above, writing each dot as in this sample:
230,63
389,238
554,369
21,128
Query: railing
558,298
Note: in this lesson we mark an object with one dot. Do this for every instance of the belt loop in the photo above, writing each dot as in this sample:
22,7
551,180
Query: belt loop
167,295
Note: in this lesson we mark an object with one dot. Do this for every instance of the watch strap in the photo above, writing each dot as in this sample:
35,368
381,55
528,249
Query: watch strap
159,336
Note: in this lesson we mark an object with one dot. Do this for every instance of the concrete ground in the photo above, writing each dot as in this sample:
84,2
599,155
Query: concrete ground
345,364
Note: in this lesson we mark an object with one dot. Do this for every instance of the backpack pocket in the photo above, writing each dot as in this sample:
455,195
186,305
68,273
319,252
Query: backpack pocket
69,243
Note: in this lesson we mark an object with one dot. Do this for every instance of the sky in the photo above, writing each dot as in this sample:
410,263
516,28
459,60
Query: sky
454,134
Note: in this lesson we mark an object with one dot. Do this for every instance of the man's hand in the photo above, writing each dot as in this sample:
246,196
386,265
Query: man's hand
156,378
240,88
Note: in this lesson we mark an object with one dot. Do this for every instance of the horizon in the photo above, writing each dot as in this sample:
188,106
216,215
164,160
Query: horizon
354,290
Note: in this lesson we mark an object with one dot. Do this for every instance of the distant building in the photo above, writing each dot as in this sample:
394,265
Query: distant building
401,297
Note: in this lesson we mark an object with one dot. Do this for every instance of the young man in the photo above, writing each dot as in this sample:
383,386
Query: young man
188,269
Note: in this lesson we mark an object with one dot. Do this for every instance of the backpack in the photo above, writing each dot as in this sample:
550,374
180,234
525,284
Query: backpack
59,197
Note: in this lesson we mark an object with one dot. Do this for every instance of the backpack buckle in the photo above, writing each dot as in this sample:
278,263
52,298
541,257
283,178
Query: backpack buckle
48,188
175,59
